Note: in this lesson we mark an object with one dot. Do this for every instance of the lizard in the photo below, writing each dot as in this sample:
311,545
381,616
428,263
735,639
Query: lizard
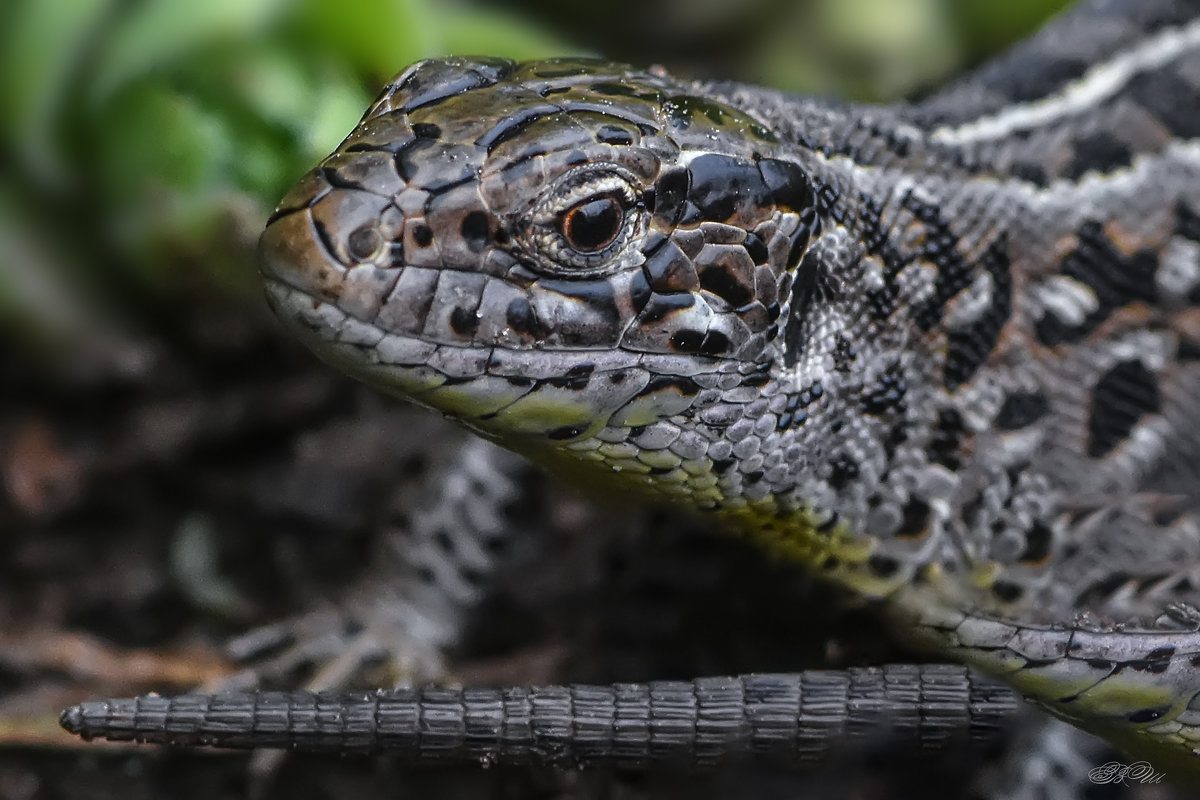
943,354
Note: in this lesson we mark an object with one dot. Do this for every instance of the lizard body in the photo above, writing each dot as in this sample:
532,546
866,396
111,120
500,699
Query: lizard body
942,354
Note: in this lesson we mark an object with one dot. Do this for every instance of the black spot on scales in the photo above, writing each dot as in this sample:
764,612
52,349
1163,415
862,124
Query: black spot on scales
682,385
724,281
422,235
1007,591
882,566
660,306
576,378
888,392
842,470
969,347
1187,223
426,130
806,289
464,321
475,231
1100,152
946,439
721,184
1116,279
709,343
940,248
522,319
603,318
1121,397
670,194
613,134
915,519
1021,409
1038,539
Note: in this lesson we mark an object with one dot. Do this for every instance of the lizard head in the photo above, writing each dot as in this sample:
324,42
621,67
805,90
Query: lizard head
571,256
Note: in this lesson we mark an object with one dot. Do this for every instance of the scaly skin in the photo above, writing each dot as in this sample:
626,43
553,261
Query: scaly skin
943,355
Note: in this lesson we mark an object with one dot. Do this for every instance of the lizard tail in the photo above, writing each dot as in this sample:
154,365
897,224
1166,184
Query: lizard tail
788,718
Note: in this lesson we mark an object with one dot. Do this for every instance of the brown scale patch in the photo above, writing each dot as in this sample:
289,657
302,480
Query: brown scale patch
727,271
661,306
435,166
369,171
670,195
717,233
1186,324
668,269
755,316
690,241
766,286
708,343
405,309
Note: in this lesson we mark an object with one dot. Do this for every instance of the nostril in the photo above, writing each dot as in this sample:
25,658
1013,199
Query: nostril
365,243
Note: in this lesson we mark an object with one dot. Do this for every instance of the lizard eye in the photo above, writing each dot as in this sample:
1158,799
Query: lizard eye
584,223
592,225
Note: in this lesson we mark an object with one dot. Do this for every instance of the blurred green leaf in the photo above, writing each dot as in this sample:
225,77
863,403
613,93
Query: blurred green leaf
482,31
164,31
985,26
40,47
314,105
376,37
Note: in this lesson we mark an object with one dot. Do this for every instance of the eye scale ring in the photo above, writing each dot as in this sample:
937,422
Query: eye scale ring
584,222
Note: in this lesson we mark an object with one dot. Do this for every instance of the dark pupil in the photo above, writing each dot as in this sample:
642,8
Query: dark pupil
592,225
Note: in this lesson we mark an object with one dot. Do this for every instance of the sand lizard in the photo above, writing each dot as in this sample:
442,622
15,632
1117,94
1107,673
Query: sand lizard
943,354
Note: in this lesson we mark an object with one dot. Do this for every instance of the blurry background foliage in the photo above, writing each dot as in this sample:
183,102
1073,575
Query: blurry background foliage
144,142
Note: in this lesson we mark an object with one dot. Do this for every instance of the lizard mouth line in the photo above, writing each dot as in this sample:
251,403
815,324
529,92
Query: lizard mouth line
520,392
326,321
